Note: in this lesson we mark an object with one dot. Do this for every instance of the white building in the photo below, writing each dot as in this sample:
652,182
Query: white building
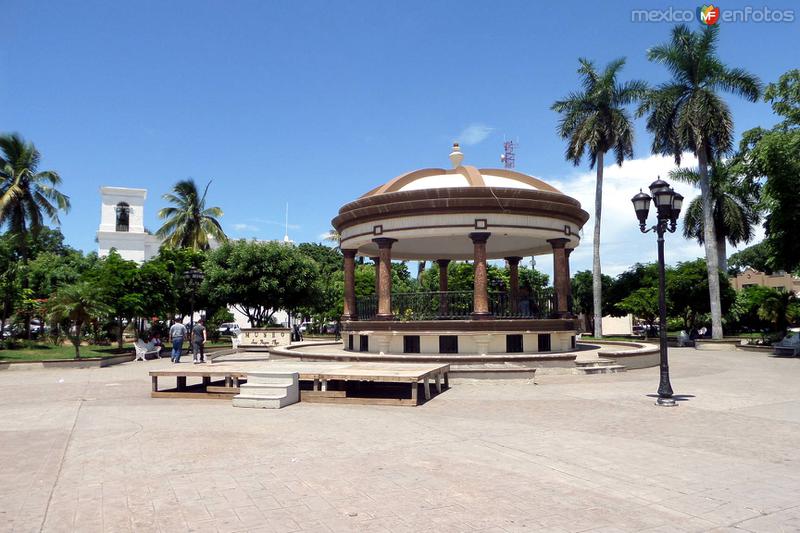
122,225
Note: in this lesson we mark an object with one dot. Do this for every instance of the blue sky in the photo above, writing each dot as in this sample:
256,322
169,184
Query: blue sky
314,103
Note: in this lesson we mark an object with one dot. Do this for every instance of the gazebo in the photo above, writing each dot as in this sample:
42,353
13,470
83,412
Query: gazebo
461,213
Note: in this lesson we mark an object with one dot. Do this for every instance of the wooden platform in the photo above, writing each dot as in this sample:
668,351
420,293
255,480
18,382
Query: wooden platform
320,382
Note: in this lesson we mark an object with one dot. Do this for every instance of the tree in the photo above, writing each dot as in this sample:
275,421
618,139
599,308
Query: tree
757,256
80,303
190,224
687,292
10,286
26,194
583,296
735,206
686,113
638,276
774,155
779,307
596,121
173,263
117,280
642,303
259,278
329,291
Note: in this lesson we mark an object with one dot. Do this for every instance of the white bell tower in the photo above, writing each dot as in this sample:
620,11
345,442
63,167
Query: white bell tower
122,224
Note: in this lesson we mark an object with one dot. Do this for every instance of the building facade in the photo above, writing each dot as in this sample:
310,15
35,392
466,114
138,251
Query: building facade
122,225
777,280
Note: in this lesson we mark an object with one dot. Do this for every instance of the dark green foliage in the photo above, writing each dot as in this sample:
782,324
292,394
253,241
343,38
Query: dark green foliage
582,296
774,156
687,292
757,256
260,278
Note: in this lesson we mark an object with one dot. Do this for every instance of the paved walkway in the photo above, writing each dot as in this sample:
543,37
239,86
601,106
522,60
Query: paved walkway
88,450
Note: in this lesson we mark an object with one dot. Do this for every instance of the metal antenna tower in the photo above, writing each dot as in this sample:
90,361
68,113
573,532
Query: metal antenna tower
508,154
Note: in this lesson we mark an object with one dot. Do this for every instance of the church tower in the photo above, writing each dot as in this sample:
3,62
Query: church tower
122,224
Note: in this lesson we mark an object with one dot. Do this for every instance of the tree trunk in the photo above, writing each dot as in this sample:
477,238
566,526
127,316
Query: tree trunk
597,280
121,329
420,269
710,238
77,339
722,255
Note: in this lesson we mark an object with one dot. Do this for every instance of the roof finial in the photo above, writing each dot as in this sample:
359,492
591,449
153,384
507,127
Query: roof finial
456,156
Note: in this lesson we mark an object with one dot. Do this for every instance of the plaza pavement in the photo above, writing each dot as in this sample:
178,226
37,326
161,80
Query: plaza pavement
89,450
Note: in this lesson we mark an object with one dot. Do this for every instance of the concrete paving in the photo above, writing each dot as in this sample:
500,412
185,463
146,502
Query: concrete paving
89,450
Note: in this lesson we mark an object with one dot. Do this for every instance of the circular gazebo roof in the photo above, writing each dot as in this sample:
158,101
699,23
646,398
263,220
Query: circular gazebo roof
431,212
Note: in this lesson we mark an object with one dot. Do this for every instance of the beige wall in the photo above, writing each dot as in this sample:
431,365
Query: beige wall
754,277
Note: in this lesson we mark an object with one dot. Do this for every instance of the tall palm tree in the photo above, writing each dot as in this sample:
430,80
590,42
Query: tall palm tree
79,303
595,121
190,224
686,113
27,195
735,207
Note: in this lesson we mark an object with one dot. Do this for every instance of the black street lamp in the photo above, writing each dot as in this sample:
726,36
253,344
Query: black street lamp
193,277
668,206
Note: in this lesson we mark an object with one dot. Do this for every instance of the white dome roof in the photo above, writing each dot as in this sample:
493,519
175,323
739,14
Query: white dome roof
461,176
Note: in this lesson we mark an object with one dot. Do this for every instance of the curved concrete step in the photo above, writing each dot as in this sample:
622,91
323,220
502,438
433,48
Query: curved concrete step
606,369
594,362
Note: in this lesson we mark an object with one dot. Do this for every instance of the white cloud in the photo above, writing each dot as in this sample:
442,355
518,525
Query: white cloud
275,223
474,134
621,242
244,227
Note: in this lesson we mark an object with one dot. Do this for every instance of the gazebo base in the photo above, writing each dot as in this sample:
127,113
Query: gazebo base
484,337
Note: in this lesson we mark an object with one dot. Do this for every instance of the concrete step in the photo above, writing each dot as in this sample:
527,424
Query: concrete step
268,390
606,369
594,362
492,371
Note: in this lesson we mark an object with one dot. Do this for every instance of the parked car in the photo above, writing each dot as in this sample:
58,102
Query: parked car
329,327
229,328
306,327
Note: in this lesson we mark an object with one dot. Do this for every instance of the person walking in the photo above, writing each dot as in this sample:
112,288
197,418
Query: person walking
199,338
176,335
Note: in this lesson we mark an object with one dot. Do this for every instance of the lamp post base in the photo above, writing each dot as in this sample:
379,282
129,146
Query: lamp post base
666,402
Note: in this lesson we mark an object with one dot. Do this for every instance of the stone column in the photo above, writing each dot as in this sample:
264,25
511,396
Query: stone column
385,278
513,290
567,252
480,307
560,275
350,312
443,304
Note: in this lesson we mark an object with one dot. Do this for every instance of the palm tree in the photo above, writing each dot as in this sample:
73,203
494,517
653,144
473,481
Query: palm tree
735,205
25,193
595,121
190,224
79,303
780,307
333,237
686,113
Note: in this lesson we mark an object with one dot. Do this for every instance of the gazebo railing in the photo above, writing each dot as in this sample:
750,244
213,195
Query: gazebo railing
454,305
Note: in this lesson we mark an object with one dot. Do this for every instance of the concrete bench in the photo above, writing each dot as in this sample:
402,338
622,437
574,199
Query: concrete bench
789,345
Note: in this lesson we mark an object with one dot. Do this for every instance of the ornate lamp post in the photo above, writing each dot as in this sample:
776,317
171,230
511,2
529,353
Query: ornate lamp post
193,277
668,206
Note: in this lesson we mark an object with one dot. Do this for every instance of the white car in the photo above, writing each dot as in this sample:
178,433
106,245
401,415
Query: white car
229,328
